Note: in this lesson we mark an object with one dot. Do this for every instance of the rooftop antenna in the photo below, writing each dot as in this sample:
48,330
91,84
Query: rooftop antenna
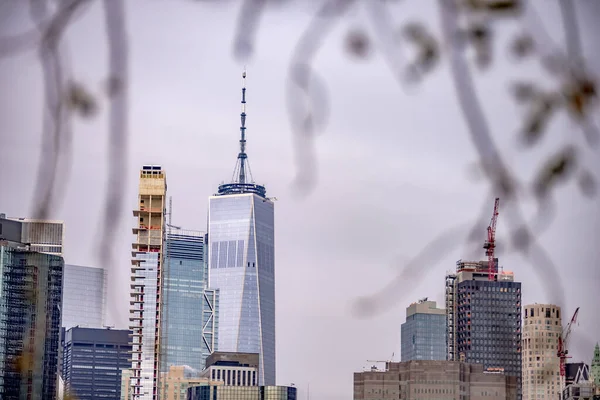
241,180
242,155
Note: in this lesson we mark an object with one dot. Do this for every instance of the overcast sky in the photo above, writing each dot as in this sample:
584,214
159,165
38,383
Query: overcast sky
394,168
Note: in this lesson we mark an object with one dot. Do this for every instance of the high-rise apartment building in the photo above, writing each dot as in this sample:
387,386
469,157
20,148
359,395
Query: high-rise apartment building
43,236
241,241
146,278
542,328
484,318
84,297
428,379
30,316
423,335
92,362
189,306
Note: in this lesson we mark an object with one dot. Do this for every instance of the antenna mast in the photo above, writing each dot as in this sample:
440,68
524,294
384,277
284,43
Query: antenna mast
242,155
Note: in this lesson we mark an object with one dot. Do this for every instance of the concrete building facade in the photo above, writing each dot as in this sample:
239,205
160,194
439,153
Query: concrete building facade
93,359
84,297
484,318
542,327
233,369
423,335
449,380
146,277
42,236
175,382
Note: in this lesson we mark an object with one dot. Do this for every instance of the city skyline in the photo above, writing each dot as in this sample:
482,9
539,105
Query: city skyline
394,166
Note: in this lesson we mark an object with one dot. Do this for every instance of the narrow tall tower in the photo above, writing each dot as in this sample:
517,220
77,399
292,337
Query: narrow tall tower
542,326
241,240
146,278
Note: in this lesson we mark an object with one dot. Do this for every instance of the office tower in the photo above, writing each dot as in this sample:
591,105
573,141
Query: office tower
595,366
423,335
43,236
30,307
428,379
146,276
189,306
242,263
93,360
542,327
84,297
483,318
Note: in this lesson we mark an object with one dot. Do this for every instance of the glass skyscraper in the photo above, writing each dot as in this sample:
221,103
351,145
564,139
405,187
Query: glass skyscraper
30,298
484,318
423,335
84,297
189,307
241,239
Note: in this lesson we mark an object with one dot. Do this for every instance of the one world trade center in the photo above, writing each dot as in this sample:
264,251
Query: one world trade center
242,263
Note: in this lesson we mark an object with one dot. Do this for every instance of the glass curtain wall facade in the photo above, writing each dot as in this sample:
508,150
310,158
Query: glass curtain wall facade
30,299
242,393
188,322
486,319
242,268
84,297
423,335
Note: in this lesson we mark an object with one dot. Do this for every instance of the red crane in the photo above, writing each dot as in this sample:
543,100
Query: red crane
562,348
490,243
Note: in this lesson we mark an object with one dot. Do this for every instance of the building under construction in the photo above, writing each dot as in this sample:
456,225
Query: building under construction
30,316
146,281
483,318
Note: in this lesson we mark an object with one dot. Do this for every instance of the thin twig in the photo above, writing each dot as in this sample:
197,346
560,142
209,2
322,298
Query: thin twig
497,172
56,129
299,100
116,32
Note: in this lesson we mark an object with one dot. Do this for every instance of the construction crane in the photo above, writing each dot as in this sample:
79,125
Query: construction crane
562,348
490,243
382,361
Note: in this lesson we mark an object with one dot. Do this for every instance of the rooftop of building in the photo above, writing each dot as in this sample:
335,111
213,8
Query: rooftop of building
424,306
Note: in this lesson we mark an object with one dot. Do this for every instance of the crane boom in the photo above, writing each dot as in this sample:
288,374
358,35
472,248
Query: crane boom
562,348
490,243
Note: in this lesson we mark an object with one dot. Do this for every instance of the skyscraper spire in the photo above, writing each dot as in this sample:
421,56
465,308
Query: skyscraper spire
242,181
242,156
